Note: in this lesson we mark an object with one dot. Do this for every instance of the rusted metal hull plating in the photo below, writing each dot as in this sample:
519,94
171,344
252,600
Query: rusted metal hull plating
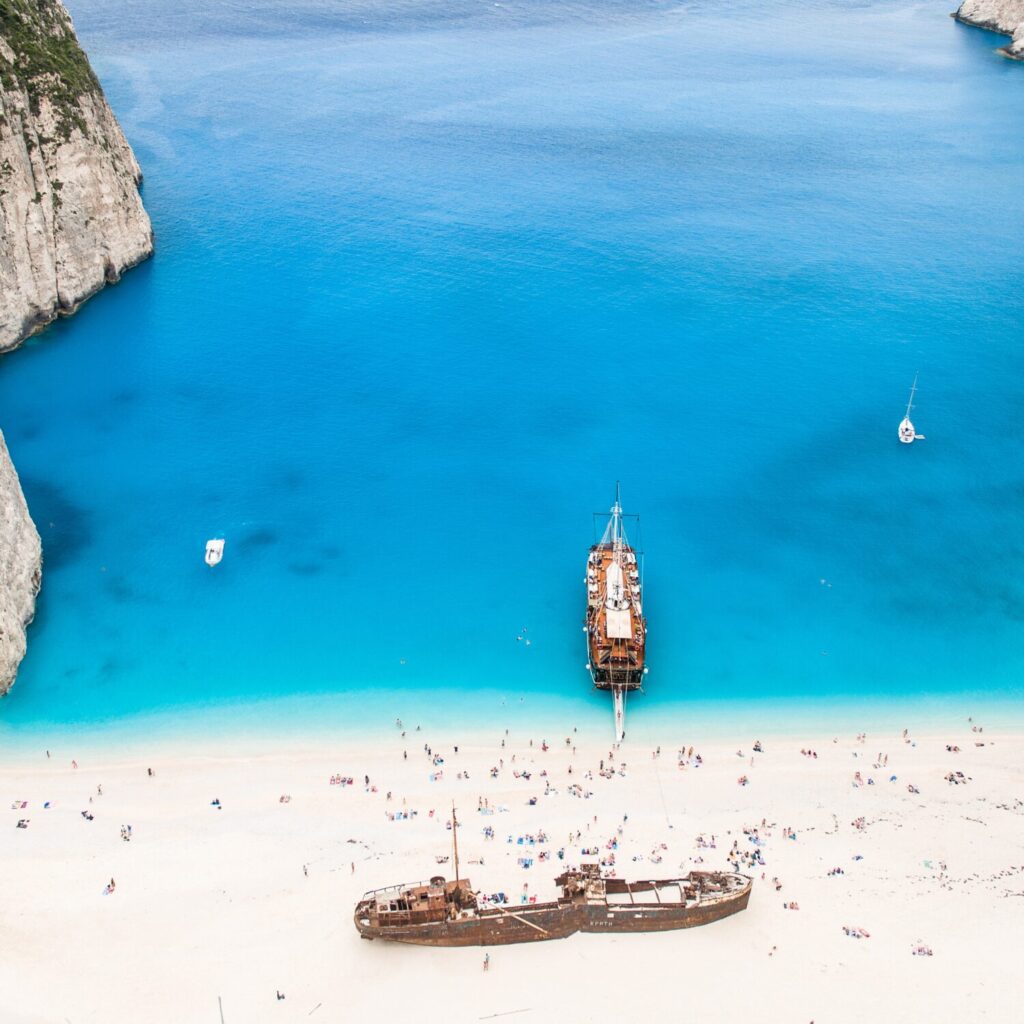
497,926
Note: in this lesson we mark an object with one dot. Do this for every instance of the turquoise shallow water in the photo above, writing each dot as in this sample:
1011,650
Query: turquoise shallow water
431,277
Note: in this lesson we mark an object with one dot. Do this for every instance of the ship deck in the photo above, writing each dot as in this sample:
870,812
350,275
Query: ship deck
615,639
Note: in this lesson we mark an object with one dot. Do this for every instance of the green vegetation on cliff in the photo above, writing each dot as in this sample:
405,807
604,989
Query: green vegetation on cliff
48,62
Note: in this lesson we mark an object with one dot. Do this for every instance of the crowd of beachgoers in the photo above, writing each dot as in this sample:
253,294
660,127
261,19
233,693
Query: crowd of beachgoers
835,833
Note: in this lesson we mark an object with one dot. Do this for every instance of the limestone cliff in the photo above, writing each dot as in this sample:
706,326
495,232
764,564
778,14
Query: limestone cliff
20,570
1005,16
71,218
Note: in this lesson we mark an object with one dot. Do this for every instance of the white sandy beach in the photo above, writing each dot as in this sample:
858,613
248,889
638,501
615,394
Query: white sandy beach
215,903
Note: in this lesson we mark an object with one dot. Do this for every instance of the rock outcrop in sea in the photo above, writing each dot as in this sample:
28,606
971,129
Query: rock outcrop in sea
71,221
21,568
71,218
1004,16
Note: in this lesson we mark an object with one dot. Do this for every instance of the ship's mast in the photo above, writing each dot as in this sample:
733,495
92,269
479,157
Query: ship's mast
455,844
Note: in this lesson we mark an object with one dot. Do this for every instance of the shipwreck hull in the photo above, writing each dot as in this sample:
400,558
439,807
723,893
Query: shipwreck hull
538,923
558,920
659,917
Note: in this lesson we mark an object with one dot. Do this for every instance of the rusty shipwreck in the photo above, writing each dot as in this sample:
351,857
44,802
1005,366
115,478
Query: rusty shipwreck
449,913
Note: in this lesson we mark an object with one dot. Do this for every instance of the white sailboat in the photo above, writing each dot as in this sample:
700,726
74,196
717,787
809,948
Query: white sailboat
907,434
214,551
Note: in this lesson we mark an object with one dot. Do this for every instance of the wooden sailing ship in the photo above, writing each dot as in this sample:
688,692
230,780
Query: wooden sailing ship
615,624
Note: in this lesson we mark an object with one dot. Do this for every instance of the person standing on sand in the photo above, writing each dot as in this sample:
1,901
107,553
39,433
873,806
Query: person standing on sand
487,961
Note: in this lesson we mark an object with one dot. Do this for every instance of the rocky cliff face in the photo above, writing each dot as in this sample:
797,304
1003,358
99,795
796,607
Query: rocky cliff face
1005,16
71,218
20,570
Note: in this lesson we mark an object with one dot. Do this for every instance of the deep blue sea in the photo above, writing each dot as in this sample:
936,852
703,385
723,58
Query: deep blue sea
431,276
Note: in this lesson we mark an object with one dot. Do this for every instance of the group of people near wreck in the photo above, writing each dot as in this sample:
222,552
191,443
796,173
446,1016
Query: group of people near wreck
749,859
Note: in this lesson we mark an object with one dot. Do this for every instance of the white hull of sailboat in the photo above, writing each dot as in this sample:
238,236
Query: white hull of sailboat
214,551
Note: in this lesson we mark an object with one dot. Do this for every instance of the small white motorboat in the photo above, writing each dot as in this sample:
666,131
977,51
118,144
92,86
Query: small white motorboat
907,434
214,551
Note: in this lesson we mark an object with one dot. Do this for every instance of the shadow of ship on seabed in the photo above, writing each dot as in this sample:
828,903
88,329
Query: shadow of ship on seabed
440,913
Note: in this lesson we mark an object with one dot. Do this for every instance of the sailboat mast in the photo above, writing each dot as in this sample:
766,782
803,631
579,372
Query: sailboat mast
910,403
